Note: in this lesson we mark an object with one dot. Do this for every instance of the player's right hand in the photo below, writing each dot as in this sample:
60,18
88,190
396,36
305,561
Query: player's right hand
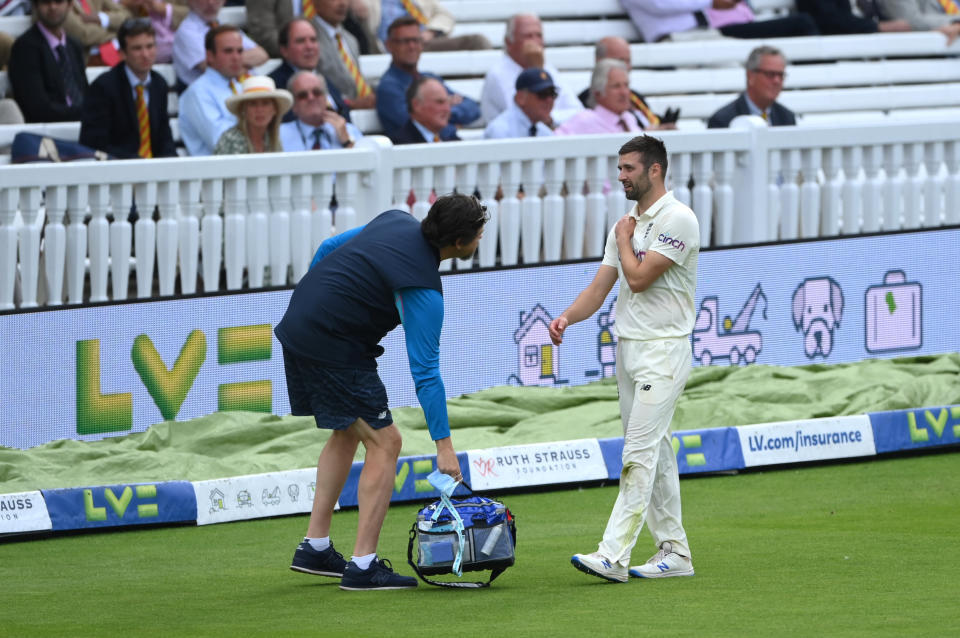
557,327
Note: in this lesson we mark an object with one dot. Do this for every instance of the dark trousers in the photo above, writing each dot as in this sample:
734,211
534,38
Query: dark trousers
790,26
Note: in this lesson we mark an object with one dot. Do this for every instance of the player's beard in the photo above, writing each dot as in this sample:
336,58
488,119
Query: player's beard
639,188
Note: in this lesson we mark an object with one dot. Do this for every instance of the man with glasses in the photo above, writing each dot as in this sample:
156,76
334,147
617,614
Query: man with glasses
125,112
765,74
314,126
47,67
405,44
529,113
300,51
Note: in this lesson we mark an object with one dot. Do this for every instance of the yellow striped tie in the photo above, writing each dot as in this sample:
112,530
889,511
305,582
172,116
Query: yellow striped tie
643,108
950,7
363,89
143,118
309,12
414,11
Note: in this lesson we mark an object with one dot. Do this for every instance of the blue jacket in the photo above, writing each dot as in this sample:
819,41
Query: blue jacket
392,103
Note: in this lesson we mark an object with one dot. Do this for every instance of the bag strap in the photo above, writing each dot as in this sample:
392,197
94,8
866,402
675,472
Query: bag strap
457,585
457,527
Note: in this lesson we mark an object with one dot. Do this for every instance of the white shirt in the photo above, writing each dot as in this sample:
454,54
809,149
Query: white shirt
134,81
500,84
514,123
298,136
665,309
189,49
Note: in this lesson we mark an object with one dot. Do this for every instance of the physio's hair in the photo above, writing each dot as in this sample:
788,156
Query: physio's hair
210,40
652,151
601,74
753,60
454,218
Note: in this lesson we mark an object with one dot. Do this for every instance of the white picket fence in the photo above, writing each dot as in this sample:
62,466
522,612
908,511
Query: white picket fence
257,219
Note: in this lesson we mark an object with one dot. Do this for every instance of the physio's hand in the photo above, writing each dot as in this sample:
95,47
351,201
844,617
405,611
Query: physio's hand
557,328
447,459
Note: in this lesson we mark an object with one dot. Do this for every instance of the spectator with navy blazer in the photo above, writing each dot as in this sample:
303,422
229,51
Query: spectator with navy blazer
46,86
110,121
766,70
429,106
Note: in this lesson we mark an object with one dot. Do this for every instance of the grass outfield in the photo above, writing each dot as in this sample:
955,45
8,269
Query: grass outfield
858,549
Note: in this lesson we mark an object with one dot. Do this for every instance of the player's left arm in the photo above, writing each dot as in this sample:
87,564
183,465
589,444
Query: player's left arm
421,313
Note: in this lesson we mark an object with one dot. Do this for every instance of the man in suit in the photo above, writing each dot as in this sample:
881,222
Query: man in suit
937,15
119,98
47,67
300,52
616,48
404,41
429,106
765,74
340,54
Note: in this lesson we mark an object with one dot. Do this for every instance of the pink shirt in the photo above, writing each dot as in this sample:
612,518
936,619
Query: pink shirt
163,27
597,120
723,17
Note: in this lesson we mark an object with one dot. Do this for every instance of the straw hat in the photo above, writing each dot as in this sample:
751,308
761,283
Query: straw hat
258,87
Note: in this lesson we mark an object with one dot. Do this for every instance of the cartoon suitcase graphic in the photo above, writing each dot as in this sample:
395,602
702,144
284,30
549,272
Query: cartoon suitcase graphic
894,314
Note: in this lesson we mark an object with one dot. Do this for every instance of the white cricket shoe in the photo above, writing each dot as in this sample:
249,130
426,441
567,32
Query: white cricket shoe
664,564
596,565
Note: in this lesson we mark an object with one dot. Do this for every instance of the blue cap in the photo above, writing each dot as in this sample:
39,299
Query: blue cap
534,80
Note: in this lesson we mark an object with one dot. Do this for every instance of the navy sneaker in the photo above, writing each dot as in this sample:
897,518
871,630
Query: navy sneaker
329,562
379,575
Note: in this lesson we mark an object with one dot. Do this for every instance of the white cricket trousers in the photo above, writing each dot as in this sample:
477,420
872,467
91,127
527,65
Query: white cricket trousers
650,377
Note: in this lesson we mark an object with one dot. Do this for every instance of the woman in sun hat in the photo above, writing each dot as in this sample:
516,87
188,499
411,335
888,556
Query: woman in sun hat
259,108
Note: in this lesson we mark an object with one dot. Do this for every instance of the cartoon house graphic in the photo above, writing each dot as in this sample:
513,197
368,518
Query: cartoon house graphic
536,353
216,501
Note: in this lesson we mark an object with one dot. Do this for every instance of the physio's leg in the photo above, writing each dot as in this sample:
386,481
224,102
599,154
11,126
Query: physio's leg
376,482
333,467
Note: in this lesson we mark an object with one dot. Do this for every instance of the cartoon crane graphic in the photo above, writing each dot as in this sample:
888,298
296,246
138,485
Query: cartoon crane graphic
734,340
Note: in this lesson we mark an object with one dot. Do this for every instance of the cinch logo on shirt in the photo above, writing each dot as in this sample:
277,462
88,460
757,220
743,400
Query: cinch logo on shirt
666,239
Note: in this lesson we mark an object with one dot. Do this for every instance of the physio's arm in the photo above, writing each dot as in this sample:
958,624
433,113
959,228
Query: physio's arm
332,243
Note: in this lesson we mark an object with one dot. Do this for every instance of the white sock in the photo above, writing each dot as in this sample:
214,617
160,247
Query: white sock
363,562
318,544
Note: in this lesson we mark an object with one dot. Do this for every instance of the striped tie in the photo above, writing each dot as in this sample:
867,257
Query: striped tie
414,11
643,108
143,118
950,7
363,89
306,7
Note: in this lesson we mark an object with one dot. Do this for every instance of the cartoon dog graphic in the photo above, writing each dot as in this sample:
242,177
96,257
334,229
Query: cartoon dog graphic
817,309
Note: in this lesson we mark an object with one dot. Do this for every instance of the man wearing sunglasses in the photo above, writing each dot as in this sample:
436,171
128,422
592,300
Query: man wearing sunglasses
529,113
315,126
47,67
766,71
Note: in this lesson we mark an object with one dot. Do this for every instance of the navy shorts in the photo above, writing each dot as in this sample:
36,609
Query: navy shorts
335,397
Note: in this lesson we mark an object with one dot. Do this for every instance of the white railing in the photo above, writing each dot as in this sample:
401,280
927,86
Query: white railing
65,234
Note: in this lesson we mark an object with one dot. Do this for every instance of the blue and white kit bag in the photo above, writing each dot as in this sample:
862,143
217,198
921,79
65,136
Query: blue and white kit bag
463,534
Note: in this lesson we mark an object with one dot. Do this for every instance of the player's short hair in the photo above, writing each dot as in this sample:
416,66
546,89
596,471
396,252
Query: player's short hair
753,60
133,27
210,40
453,218
651,149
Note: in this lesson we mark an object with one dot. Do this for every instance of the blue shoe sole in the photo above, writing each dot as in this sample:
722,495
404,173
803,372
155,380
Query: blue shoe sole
586,570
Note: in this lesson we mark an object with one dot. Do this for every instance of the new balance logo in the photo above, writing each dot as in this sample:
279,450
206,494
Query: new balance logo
663,567
382,415
606,564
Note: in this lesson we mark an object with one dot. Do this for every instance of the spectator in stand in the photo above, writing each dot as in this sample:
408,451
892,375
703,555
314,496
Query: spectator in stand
266,17
189,57
429,106
836,17
363,20
617,48
125,111
315,126
339,55
529,113
404,41
165,16
766,70
300,52
203,106
94,24
523,49
921,15
47,67
658,19
258,109
610,88
436,21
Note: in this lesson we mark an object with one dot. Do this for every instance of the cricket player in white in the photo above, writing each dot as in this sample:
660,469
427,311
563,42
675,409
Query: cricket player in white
653,251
